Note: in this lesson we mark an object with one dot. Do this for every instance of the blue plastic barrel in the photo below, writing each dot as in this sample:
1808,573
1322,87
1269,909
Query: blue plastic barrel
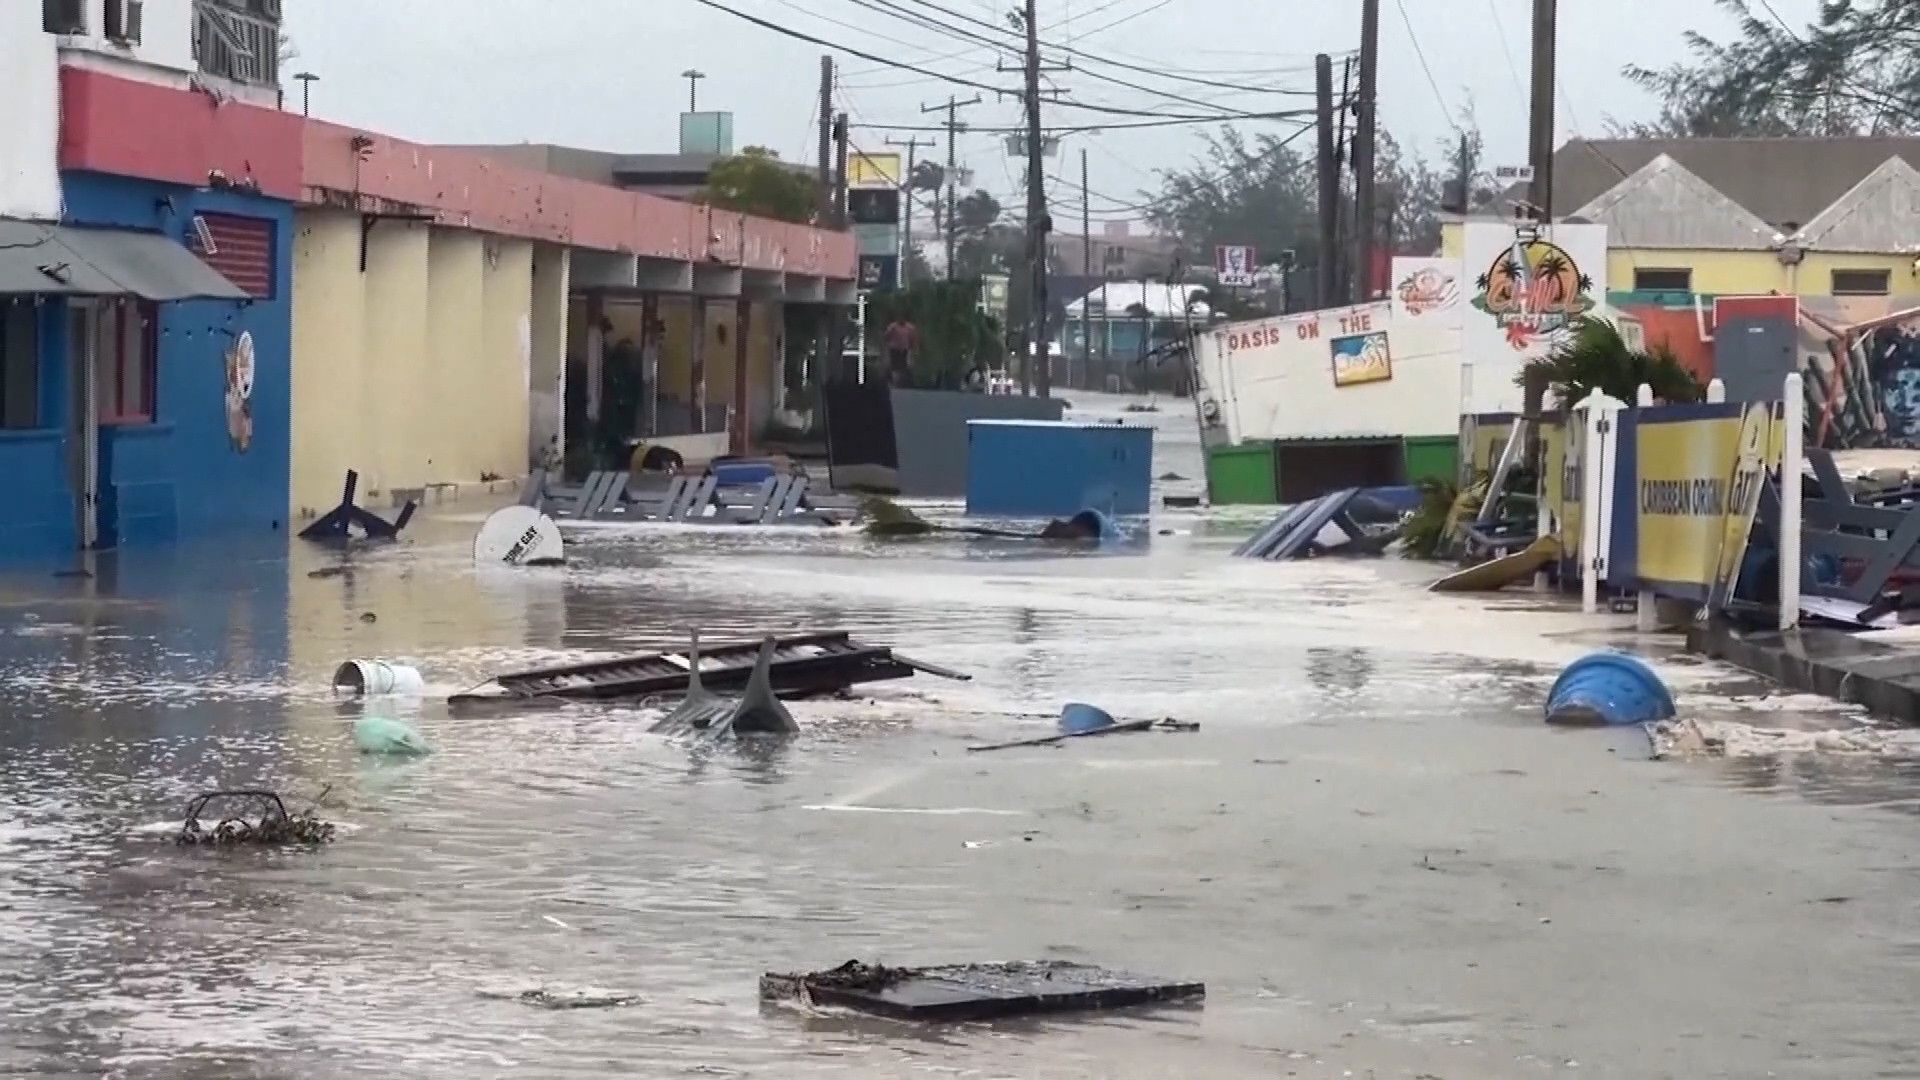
741,473
1078,717
1608,688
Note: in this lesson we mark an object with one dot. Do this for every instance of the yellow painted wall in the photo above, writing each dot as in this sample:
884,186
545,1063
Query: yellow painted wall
413,372
1724,273
329,315
450,413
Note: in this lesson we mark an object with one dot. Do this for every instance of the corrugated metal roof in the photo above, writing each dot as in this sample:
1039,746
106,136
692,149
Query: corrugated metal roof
61,260
1780,181
1160,301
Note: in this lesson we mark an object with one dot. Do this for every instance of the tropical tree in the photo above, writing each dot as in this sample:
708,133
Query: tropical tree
954,333
755,181
1855,70
1263,191
1593,356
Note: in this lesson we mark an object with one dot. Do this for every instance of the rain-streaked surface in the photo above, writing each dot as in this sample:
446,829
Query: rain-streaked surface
1374,854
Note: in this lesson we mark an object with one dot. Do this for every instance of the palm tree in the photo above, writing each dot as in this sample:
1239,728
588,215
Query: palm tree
1593,356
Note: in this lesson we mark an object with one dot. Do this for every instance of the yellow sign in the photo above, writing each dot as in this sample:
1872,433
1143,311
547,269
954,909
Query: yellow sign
1685,472
1755,455
865,170
1561,447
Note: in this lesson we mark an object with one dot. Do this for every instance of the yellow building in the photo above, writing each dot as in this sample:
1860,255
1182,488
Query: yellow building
1808,217
443,300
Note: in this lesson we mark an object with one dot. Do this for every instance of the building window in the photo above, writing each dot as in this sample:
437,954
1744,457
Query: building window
238,40
63,16
242,251
1862,282
19,364
125,360
1676,280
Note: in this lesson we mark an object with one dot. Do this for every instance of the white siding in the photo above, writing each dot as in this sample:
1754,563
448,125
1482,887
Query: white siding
30,121
1273,378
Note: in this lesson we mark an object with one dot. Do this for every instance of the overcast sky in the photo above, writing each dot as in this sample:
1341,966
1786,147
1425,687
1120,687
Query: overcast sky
606,73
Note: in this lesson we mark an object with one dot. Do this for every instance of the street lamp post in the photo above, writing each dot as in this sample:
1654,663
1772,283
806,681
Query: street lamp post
693,77
307,79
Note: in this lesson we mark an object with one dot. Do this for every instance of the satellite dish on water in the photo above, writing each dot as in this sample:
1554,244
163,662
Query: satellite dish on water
518,536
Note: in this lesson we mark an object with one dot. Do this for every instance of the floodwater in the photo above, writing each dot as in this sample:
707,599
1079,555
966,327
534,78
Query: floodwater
1375,855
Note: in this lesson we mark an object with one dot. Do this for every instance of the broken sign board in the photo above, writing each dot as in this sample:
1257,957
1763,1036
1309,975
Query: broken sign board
1322,526
518,536
970,992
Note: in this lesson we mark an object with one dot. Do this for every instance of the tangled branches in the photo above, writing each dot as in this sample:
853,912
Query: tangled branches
250,817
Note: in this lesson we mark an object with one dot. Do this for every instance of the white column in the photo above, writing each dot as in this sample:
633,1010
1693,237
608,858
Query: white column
1646,614
1792,457
1594,413
1716,392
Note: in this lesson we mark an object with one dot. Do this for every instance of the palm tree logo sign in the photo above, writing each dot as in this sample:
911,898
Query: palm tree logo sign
1533,289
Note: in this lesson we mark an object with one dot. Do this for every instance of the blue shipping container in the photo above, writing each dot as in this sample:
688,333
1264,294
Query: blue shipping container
1055,469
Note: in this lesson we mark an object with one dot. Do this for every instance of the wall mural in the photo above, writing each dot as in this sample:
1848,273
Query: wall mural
1863,386
240,392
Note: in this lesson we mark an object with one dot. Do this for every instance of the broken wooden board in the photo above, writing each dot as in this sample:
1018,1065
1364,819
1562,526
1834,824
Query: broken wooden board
969,992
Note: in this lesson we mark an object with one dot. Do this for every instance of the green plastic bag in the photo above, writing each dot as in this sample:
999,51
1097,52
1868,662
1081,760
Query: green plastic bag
379,735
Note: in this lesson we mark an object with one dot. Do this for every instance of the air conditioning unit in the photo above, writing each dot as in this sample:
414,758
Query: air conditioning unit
203,236
123,22
63,17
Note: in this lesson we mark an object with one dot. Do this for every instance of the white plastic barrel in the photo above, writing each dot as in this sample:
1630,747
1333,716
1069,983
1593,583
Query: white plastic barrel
377,678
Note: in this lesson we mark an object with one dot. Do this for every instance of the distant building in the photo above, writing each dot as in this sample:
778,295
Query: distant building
1801,216
1116,253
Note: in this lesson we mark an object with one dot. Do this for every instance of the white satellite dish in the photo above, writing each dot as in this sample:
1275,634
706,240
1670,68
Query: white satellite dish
518,536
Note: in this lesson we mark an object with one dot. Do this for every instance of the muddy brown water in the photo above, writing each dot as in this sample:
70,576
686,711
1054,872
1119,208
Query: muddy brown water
1375,855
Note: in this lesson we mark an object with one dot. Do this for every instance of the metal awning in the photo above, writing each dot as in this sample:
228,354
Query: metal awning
63,260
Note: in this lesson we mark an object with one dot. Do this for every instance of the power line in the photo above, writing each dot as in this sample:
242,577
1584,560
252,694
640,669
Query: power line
957,80
1085,55
1413,36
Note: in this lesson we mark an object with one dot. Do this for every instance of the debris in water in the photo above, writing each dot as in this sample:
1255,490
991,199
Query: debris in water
963,992
1691,738
757,711
1111,728
584,998
379,735
250,817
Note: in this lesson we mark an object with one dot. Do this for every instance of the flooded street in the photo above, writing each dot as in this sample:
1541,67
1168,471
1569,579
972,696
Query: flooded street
1373,852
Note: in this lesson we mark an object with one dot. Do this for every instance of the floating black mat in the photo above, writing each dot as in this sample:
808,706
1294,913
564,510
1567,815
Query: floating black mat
963,992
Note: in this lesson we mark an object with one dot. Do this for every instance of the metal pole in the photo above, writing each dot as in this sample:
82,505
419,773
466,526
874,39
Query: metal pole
1086,269
1540,119
1363,150
1038,223
1327,270
826,331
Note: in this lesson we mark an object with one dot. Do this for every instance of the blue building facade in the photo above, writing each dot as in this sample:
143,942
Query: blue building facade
190,399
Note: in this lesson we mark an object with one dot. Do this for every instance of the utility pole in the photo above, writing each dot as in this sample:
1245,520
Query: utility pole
1343,152
954,128
840,151
1540,126
912,147
1365,218
1039,224
1086,270
1328,167
826,335
825,210
1464,173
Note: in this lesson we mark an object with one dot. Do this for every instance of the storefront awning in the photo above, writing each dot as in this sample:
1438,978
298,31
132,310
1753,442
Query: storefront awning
61,260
